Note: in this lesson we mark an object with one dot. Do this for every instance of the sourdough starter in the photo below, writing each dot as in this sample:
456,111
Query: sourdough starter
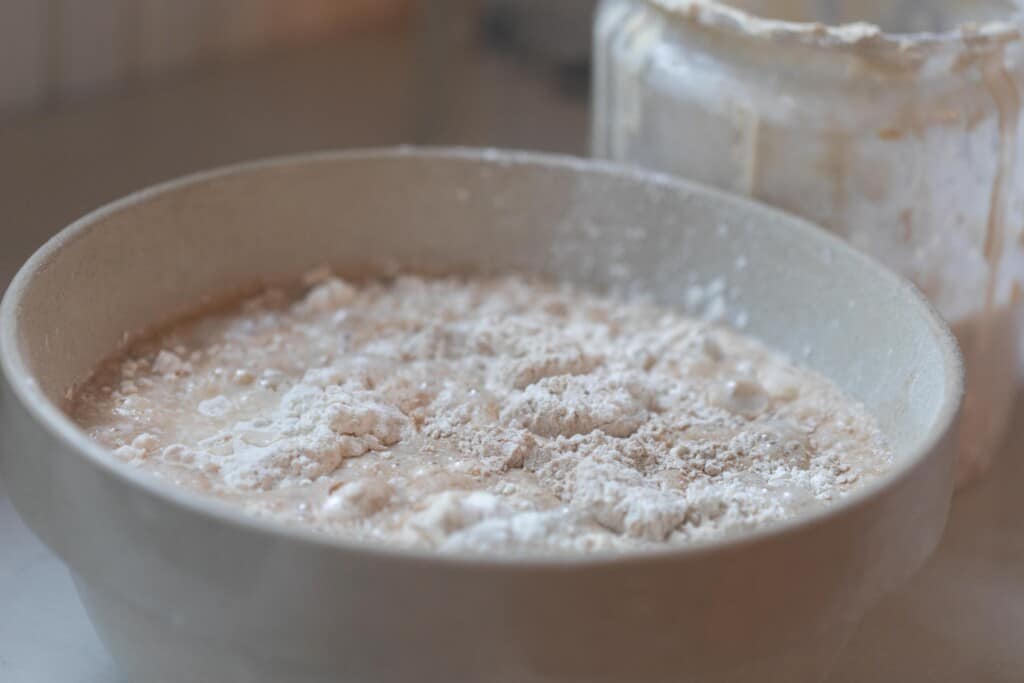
481,415
895,125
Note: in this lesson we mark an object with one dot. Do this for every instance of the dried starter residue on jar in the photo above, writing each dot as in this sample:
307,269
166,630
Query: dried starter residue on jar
898,124
500,415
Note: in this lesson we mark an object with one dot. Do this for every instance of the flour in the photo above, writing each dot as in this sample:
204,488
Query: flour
481,415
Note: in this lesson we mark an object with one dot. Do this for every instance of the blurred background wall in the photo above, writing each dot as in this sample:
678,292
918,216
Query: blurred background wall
53,51
102,97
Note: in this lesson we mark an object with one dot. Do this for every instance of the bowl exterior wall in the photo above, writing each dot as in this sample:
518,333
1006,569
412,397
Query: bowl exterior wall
180,594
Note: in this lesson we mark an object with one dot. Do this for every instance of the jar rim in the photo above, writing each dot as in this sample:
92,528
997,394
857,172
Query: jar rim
907,48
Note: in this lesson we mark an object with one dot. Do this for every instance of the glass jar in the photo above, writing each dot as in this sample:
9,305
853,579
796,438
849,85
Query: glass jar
904,141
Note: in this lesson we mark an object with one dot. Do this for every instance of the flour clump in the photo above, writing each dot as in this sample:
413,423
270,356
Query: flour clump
498,415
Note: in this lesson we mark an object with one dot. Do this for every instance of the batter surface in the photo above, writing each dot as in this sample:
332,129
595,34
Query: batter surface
499,415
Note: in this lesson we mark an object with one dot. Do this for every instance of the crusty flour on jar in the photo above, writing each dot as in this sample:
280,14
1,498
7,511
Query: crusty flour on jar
482,415
897,125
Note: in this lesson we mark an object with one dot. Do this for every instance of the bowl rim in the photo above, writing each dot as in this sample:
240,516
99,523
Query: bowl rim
59,425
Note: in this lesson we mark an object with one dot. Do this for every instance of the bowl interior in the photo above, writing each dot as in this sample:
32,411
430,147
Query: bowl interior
135,263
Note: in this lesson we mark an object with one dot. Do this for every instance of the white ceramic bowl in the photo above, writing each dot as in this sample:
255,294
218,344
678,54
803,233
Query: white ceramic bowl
182,588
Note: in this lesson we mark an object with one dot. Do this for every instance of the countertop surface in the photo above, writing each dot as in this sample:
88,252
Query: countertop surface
961,619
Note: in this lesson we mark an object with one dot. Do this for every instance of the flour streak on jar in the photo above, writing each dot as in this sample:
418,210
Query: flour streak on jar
893,123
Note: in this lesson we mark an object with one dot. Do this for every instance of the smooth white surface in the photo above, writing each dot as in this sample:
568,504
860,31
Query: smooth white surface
44,633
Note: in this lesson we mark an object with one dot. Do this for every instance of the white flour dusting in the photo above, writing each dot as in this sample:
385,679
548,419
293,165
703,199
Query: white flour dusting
483,415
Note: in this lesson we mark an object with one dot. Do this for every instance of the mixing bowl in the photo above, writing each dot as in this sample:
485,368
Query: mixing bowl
185,588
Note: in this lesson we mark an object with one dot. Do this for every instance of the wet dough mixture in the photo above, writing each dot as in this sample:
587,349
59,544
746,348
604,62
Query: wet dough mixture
499,415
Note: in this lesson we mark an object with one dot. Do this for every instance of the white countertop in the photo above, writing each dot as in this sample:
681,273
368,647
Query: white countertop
961,619
44,633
